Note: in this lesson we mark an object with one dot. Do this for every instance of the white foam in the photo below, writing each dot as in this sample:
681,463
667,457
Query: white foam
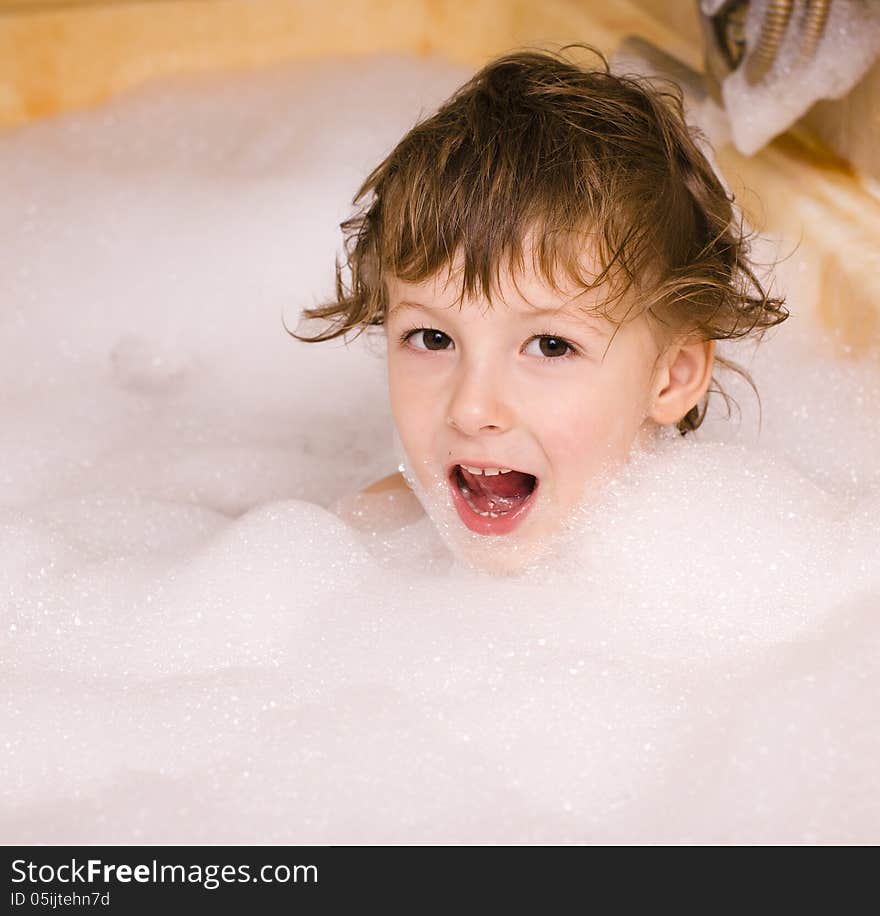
197,650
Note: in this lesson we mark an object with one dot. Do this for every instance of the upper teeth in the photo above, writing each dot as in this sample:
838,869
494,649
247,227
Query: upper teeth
489,472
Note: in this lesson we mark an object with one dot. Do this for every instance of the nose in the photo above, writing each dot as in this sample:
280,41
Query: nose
479,401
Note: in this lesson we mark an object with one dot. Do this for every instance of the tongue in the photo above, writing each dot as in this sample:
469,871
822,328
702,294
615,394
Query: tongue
498,493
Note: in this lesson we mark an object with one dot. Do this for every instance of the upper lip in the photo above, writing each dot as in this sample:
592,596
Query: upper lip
483,464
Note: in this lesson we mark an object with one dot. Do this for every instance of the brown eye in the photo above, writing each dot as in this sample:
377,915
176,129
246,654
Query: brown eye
553,346
435,340
429,338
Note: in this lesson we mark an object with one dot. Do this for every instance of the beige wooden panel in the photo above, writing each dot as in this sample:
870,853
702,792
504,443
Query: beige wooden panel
61,54
851,125
814,200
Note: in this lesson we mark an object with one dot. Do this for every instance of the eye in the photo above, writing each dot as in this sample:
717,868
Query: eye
551,347
426,339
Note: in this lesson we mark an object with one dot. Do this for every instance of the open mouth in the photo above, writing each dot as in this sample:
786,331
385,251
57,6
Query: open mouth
491,500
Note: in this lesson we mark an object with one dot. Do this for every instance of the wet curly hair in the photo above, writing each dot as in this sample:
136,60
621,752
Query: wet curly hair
538,152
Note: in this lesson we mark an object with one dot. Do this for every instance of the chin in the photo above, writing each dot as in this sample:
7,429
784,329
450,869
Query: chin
497,555
498,559
556,551
537,541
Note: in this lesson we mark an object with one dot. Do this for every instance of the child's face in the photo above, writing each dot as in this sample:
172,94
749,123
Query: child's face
525,384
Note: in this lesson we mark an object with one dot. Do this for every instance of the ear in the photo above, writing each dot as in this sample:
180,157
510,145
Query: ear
682,378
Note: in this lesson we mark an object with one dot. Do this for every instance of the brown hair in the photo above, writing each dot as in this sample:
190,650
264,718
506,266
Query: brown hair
536,146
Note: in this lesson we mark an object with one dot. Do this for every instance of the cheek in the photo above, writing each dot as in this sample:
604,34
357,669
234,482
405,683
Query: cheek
412,407
404,385
597,423
399,393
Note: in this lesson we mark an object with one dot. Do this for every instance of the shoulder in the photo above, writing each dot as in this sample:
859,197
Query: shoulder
393,483
387,504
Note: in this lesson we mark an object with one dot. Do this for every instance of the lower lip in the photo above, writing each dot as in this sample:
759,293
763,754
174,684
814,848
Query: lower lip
481,524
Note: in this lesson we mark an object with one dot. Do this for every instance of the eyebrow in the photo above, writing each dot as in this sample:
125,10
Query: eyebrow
563,311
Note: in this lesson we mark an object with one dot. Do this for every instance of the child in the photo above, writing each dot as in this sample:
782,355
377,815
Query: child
552,259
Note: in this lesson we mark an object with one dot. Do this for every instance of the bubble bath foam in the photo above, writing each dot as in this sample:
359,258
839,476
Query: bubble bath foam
198,651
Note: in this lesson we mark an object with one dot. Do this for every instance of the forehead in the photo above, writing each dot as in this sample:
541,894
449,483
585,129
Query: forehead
548,272
524,296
